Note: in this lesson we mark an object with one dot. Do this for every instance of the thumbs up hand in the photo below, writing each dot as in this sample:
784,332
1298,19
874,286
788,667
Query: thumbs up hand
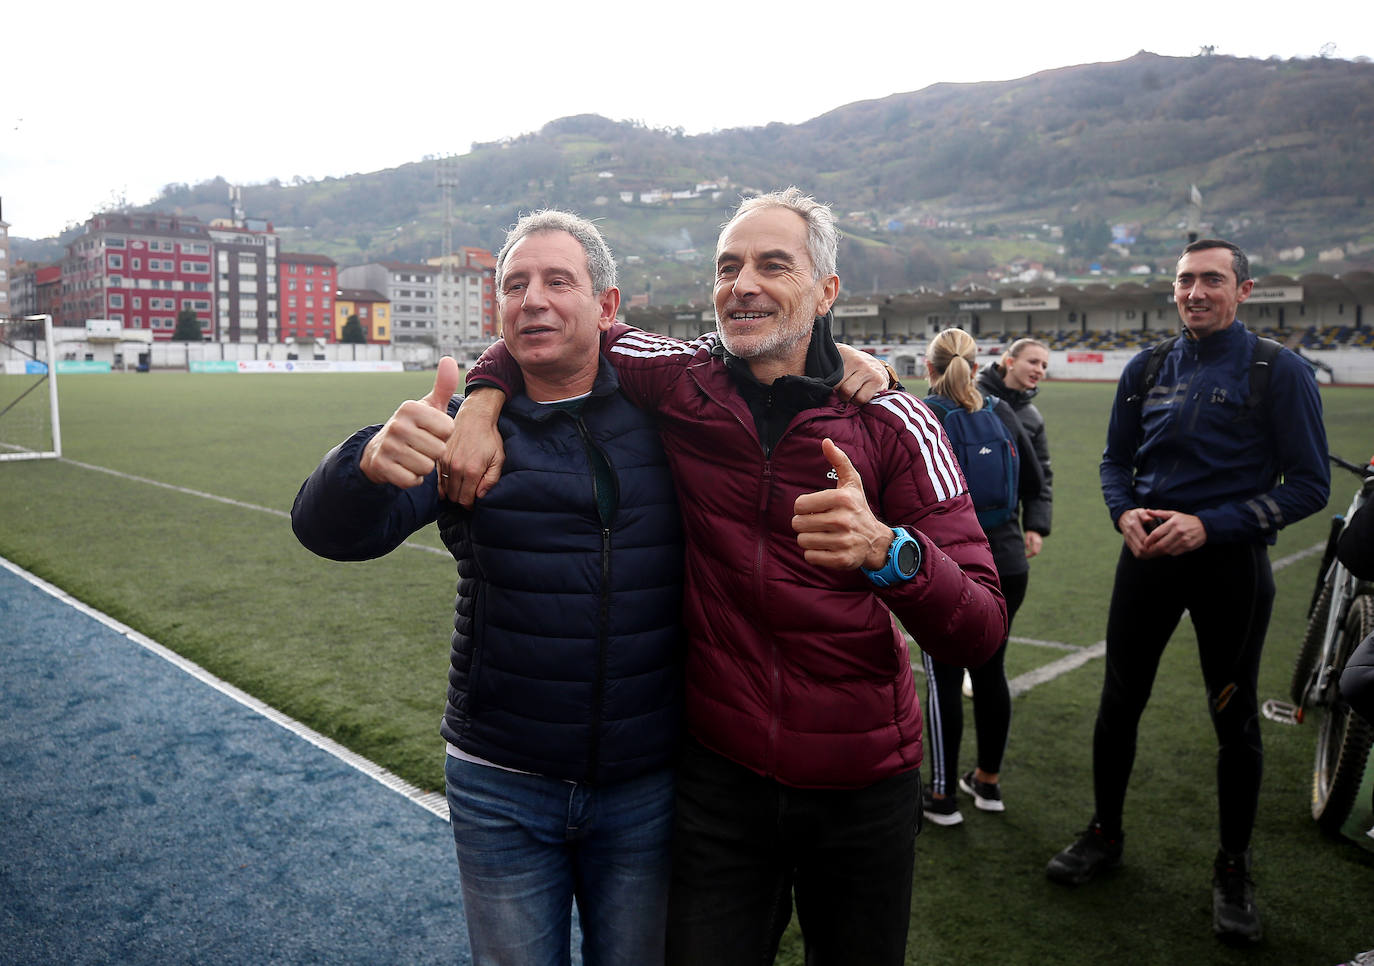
835,527
408,446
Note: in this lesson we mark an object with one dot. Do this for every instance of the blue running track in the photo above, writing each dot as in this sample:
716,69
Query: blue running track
149,817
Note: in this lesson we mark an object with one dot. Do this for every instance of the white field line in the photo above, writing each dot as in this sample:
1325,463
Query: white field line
1079,656
218,499
431,802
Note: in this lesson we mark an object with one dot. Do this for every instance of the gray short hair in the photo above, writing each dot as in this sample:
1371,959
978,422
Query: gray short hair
822,237
600,261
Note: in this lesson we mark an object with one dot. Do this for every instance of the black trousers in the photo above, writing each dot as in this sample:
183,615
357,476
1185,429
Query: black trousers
1228,591
744,844
944,709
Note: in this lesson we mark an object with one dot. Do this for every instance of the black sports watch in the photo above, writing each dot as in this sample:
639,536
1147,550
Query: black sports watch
903,560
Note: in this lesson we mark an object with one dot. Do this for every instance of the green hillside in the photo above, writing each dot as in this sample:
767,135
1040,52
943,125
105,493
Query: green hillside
933,187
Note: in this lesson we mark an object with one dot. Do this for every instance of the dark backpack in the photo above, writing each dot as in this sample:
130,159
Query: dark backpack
987,454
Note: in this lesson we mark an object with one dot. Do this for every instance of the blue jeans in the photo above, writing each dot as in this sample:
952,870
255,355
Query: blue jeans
745,845
528,846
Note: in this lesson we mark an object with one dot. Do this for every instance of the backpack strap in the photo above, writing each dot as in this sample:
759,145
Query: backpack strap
941,410
1261,364
1152,365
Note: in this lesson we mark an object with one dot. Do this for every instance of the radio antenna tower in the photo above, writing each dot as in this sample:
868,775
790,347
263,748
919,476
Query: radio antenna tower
1194,213
446,176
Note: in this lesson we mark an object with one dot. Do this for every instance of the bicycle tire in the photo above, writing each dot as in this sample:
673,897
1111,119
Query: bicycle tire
1343,737
1304,668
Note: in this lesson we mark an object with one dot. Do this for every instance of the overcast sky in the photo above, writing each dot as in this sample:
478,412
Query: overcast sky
107,101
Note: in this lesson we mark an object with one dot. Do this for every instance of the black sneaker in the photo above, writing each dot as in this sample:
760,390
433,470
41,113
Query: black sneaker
1092,853
1235,919
941,811
986,795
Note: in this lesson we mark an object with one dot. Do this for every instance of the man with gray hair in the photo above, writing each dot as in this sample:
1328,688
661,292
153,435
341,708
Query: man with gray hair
564,685
810,522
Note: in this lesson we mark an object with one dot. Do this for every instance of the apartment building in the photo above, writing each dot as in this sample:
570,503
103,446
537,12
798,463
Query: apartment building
23,293
412,291
246,291
372,309
140,271
305,307
467,300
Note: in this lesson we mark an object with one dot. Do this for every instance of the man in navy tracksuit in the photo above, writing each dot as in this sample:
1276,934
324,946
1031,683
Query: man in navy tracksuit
1198,482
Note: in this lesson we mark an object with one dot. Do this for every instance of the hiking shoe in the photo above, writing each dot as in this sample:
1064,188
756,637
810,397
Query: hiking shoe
941,811
1234,916
1365,958
986,795
1092,853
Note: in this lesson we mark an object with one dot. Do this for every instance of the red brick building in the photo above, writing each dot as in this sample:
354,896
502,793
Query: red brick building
306,285
141,271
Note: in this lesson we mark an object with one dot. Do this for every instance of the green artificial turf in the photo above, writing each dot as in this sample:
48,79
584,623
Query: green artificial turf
358,651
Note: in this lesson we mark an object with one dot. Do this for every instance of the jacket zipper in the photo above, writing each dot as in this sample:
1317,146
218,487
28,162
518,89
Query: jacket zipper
603,613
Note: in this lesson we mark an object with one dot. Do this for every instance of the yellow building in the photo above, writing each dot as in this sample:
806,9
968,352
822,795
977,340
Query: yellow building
372,309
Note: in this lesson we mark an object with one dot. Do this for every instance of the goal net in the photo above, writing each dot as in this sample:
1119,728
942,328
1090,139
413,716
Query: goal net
29,427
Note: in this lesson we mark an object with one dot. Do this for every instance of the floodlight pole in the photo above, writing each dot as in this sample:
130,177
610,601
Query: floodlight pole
52,380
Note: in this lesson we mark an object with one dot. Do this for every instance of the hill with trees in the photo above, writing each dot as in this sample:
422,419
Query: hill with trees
1062,171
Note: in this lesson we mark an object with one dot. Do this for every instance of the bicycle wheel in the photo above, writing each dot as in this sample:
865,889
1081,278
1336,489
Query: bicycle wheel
1304,668
1343,737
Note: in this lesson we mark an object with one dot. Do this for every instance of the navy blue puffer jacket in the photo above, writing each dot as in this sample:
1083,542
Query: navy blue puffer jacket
567,648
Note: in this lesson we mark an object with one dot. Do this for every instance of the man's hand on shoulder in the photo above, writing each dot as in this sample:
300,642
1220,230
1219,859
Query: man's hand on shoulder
835,527
865,375
474,453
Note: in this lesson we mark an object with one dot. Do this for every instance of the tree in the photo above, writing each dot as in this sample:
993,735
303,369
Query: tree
188,327
353,331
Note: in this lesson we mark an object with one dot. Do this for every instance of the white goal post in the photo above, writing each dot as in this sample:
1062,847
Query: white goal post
29,425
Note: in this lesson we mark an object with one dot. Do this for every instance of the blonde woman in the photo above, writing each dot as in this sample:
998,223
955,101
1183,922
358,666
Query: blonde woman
1004,478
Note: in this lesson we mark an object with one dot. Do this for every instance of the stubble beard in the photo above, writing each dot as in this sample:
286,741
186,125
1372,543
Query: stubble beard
779,344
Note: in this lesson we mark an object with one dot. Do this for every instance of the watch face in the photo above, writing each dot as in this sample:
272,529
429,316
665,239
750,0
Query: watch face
906,558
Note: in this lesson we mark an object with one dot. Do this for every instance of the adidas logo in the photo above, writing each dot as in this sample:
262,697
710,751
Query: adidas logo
832,475
984,451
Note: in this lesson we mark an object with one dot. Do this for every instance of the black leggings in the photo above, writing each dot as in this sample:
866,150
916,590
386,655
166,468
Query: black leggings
991,704
1228,591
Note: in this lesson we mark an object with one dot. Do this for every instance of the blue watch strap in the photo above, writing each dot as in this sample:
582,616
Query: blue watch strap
891,572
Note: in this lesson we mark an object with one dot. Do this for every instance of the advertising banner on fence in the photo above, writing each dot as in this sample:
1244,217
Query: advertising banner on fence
24,367
80,365
214,365
291,366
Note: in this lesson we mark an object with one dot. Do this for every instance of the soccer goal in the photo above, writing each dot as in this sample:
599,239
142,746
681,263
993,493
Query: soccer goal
29,427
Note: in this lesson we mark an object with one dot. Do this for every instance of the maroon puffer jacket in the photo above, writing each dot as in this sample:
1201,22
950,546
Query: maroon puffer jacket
795,671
